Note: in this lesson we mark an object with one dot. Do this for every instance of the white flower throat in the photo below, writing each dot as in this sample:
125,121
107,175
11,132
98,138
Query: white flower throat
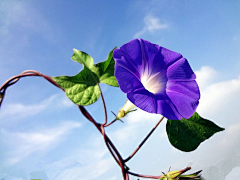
154,83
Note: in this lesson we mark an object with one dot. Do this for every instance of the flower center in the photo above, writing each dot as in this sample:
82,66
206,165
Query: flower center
153,83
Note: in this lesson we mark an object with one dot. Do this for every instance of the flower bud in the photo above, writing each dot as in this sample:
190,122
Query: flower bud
177,175
128,106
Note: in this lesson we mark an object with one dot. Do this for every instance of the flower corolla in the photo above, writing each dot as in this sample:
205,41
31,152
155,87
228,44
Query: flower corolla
156,80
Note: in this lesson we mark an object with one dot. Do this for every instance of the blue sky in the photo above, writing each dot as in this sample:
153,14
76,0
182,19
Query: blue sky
44,136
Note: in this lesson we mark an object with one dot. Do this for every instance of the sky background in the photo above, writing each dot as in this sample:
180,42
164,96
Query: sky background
42,133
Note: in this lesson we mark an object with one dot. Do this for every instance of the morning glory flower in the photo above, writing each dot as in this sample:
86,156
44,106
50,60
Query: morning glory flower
156,80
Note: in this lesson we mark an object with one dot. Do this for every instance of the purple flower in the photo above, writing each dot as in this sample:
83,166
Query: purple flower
156,79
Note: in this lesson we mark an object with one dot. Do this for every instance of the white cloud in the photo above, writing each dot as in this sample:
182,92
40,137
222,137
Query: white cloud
18,110
218,96
151,24
234,174
133,126
141,116
219,156
26,143
205,76
97,169
231,139
91,161
112,178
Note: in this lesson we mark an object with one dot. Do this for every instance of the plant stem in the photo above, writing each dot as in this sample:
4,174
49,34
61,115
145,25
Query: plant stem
108,142
104,106
111,147
144,140
14,79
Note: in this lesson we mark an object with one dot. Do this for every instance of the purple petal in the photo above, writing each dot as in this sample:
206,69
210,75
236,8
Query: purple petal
151,63
132,52
144,100
127,81
168,56
158,58
189,88
185,96
167,109
180,71
121,60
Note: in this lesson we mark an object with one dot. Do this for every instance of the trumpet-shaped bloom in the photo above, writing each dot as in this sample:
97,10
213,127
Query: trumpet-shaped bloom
156,80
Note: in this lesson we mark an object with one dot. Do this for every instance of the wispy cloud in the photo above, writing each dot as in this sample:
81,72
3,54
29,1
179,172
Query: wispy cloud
26,143
79,172
133,126
220,103
216,156
234,174
224,155
224,146
18,110
205,76
216,96
91,162
151,24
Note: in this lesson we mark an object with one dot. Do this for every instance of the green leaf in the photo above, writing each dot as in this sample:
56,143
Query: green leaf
83,88
109,60
187,134
83,58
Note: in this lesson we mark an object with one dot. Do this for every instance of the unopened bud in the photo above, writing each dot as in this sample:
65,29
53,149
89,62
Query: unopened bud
177,175
128,106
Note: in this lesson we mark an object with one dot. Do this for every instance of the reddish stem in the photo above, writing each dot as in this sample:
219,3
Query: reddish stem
108,142
111,147
144,140
104,106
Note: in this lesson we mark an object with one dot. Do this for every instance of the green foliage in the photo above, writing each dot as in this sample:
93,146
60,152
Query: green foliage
187,134
83,88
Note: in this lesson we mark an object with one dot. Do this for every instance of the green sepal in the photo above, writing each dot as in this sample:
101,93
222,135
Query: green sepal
195,175
178,175
187,134
83,88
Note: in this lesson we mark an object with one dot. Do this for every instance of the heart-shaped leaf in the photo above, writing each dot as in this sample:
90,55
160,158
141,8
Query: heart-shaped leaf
83,88
187,134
